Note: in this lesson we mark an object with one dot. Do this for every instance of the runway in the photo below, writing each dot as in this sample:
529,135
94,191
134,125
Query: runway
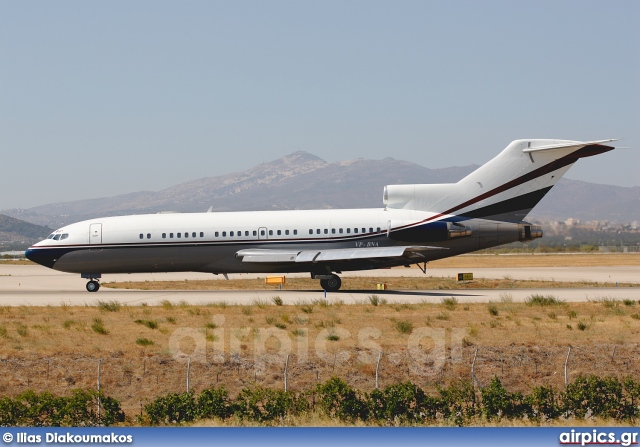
26,285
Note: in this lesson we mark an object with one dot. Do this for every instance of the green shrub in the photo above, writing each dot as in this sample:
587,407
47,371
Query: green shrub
265,405
144,342
337,399
544,403
375,300
602,396
541,300
46,410
450,303
457,402
401,403
497,402
214,402
98,327
109,306
404,327
151,324
172,409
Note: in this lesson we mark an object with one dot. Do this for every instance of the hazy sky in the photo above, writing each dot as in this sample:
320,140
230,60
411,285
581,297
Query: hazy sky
104,98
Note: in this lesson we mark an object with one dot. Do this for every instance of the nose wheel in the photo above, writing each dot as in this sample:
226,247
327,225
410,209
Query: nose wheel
93,286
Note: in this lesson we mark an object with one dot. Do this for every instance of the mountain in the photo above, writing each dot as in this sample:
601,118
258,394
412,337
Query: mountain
14,231
590,201
305,181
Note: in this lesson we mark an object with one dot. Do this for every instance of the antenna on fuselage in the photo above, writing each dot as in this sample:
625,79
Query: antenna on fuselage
210,210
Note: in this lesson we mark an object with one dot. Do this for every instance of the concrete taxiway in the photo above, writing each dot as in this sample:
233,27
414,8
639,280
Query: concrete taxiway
38,286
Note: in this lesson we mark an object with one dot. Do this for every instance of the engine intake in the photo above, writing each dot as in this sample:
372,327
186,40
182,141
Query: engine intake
529,232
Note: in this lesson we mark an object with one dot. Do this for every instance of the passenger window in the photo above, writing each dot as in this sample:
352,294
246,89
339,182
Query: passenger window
193,234
148,235
179,235
255,233
217,234
333,231
295,232
355,230
310,231
326,231
318,231
378,229
230,233
170,235
348,230
370,230
186,234
224,234
270,232
201,234
246,233
262,233
286,232
141,236
364,230
164,235
340,230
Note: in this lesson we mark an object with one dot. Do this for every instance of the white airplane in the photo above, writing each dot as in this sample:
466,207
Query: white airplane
419,223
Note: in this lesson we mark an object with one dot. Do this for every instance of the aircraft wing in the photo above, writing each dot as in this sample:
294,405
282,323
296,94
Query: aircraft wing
411,253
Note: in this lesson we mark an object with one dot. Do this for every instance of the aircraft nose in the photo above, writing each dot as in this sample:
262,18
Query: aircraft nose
40,256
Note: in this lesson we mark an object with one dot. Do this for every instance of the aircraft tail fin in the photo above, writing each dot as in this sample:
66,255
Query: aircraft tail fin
506,188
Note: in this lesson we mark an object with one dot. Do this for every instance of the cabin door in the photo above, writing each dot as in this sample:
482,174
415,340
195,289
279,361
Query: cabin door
262,233
95,234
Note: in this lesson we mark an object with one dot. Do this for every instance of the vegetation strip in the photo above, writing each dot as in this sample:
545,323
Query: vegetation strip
605,398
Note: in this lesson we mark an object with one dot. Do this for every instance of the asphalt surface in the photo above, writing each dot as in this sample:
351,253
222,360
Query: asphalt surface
39,286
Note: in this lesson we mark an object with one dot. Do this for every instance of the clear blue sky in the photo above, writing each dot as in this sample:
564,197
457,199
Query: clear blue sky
104,98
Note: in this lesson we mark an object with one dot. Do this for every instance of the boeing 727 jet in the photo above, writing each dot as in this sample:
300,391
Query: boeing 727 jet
418,223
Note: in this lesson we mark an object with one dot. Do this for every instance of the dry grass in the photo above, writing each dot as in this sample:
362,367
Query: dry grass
360,283
539,260
524,345
425,282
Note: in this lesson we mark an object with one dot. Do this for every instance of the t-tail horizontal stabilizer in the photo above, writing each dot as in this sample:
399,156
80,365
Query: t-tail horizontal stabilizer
506,188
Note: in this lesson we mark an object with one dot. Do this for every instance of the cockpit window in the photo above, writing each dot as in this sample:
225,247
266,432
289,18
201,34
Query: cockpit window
51,236
64,236
57,237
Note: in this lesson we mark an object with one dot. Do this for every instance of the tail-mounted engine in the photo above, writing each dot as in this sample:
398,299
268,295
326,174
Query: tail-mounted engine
529,232
431,232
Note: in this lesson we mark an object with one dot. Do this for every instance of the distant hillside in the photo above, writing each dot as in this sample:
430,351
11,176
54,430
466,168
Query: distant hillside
297,181
590,201
14,231
304,181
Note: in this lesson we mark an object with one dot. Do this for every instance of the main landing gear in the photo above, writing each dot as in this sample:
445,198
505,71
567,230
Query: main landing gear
93,285
330,283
